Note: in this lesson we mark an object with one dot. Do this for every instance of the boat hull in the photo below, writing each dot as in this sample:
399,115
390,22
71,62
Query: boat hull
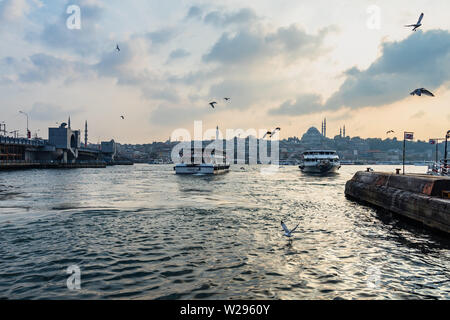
332,168
201,169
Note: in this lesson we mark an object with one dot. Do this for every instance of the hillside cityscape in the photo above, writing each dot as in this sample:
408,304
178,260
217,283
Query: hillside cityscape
351,150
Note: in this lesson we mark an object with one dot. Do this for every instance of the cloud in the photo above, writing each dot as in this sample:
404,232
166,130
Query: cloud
113,64
248,46
82,41
239,17
166,115
305,104
162,93
161,36
418,115
44,68
179,54
421,60
194,12
49,112
12,10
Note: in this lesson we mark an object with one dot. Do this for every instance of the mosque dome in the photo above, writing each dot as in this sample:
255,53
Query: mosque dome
312,137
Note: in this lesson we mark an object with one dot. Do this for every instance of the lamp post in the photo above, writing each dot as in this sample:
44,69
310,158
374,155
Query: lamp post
28,131
445,152
406,136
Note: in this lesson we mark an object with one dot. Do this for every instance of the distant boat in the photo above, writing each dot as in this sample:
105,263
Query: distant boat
320,161
215,164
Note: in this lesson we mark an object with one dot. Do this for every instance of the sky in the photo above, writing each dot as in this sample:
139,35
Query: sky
284,63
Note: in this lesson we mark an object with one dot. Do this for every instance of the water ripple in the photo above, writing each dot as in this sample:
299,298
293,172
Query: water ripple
143,233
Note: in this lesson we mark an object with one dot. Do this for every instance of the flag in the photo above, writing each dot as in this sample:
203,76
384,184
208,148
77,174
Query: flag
432,141
409,135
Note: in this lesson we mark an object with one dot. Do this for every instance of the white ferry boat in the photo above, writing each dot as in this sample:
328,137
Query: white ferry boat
320,161
199,164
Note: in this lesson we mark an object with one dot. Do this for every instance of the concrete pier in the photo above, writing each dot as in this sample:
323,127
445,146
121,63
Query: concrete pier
417,197
25,166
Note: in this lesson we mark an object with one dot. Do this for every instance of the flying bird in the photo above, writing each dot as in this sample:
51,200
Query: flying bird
390,131
419,92
288,233
268,133
271,133
274,131
212,104
123,118
418,24
117,48
227,99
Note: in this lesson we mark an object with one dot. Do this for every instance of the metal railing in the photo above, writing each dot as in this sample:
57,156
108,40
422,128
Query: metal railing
21,141
44,162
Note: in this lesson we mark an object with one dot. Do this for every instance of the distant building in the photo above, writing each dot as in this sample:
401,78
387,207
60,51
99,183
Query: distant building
66,141
313,138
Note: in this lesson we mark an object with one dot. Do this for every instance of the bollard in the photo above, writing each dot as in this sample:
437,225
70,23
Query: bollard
398,170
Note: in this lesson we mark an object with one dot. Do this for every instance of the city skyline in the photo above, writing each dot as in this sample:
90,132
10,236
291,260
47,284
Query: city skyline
353,63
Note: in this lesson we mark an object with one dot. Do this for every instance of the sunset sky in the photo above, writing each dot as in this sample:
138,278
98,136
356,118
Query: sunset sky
284,63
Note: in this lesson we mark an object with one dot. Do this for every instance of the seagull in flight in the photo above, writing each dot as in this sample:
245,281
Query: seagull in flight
275,131
288,233
271,133
419,92
418,24
212,104
123,118
227,99
390,131
117,48
267,133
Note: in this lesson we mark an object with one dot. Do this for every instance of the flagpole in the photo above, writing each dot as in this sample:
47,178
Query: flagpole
437,151
445,151
404,147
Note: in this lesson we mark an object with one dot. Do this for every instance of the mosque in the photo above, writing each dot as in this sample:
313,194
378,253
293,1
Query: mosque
313,138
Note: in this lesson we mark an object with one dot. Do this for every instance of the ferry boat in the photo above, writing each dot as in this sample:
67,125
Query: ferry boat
320,161
199,164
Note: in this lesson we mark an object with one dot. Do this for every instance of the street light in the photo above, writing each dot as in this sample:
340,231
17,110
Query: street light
28,131
446,155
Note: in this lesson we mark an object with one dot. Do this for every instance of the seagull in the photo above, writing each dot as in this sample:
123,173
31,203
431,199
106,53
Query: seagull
227,99
288,233
123,118
268,133
421,91
271,133
274,131
212,104
117,48
390,131
418,24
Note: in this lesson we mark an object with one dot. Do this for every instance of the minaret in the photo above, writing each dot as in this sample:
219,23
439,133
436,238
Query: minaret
340,132
85,135
322,128
325,128
344,131
217,133
69,122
